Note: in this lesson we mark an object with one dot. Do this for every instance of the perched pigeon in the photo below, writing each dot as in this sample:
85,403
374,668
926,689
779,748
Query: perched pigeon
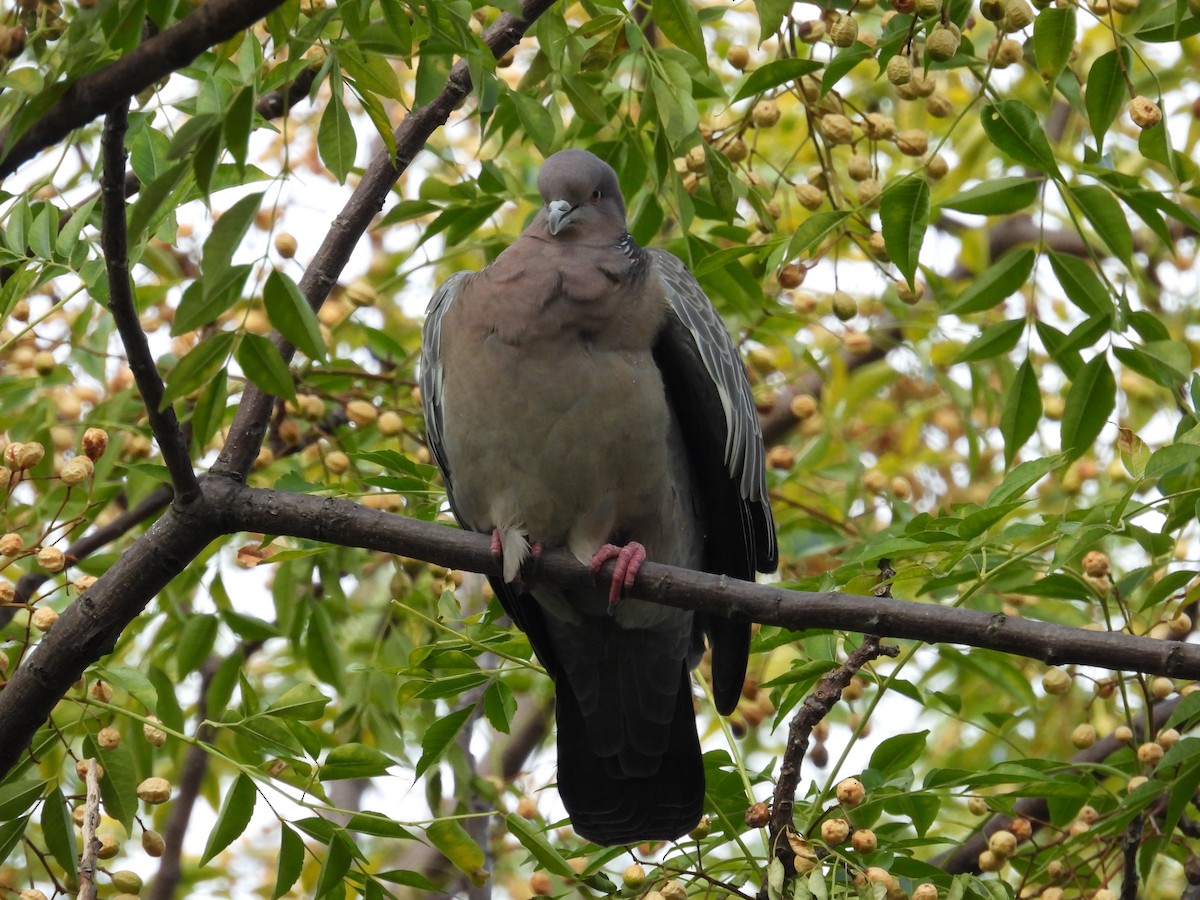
582,392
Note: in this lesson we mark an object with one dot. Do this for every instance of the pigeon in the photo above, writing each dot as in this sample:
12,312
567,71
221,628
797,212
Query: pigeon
581,392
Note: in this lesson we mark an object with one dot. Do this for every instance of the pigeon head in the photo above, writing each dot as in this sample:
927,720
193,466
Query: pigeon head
581,194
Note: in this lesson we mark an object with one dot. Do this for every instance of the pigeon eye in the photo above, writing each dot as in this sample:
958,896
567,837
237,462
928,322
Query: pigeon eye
595,195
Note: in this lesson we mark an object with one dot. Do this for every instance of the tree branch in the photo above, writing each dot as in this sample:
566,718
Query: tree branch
114,240
965,857
253,415
336,521
96,93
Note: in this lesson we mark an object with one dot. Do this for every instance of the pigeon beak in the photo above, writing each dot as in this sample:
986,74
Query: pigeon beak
559,215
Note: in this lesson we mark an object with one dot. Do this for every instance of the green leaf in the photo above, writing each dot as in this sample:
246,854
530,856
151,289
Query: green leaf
1089,402
207,298
499,706
301,701
770,16
1014,128
843,63
996,197
321,648
17,797
904,214
227,235
535,120
898,752
336,140
133,682
440,735
1134,452
239,122
59,831
68,234
1110,221
1022,411
236,810
262,364
1106,91
1166,586
209,410
289,863
334,867
814,230
1053,40
459,847
291,315
993,341
996,283
118,784
195,643
11,833
354,761
775,73
1082,286
681,25
1023,477
539,848
978,522
1167,459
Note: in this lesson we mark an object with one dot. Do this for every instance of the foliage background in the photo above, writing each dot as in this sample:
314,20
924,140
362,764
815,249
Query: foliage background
968,308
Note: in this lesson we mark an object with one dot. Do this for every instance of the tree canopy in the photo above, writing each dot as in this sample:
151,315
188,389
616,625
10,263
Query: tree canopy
244,653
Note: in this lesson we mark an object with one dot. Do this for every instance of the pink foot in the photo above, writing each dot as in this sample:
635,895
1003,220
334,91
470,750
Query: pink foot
497,546
535,553
629,559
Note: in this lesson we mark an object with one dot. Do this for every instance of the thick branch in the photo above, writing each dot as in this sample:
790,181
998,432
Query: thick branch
254,412
114,240
96,93
88,629
337,521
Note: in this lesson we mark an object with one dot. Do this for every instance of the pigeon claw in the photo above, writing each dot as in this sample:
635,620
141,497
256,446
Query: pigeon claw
629,560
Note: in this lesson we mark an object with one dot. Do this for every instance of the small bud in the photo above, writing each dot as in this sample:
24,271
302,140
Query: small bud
978,806
154,790
845,307
27,455
738,56
286,245
51,559
702,830
1003,843
1136,782
1123,734
869,192
1018,14
942,44
31,894
792,276
1161,687
912,142
810,196
1021,829
673,890
835,831
153,843
844,31
361,412
11,544
1095,564
361,293
1144,112
108,846
864,840
836,128
127,882
1056,681
108,739
77,471
81,767
758,815
153,734
1168,738
990,862
77,815
1149,753
803,406
337,461
900,486
992,10
634,876
1083,736
765,114
879,126
102,691
925,891
938,168
735,149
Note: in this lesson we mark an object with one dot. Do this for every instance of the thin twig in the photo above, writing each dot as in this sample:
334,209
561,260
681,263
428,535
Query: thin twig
91,844
114,240
95,93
